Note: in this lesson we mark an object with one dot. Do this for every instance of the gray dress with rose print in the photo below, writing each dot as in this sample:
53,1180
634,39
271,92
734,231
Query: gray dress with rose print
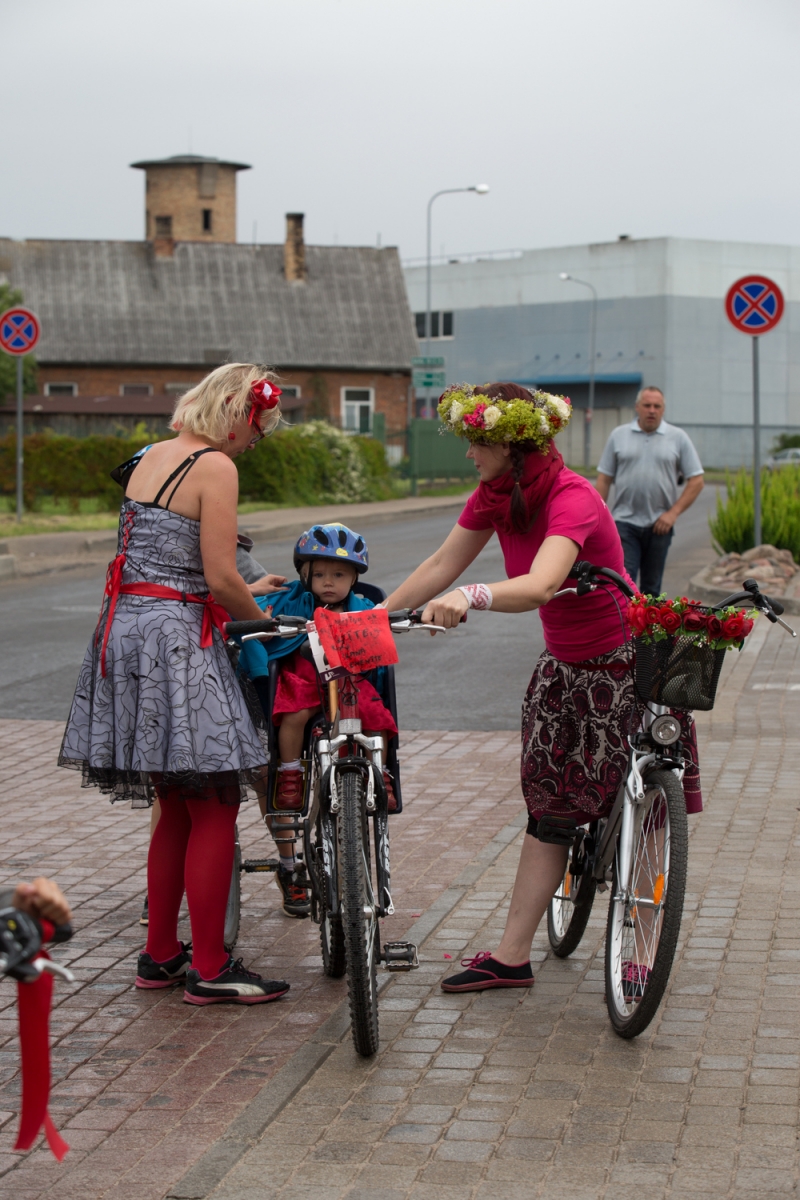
167,711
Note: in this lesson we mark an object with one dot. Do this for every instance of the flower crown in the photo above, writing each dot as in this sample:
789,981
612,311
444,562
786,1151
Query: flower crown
484,419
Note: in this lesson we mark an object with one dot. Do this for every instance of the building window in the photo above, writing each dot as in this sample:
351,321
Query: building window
163,226
441,325
357,408
61,389
177,388
206,220
136,389
292,406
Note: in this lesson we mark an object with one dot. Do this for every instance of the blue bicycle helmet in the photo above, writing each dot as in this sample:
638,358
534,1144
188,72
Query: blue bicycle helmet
332,541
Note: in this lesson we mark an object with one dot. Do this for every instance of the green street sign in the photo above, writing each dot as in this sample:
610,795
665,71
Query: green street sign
427,362
428,379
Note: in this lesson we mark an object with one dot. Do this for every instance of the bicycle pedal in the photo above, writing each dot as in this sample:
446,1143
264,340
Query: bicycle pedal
400,956
260,864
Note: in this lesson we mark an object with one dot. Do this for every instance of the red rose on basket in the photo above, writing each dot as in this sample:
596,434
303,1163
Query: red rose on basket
733,626
636,617
714,628
694,621
652,615
670,620
748,625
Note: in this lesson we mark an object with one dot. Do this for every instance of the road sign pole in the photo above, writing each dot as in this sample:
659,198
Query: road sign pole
756,447
20,431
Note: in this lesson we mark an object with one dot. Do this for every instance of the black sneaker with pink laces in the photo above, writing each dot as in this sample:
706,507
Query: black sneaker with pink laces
484,972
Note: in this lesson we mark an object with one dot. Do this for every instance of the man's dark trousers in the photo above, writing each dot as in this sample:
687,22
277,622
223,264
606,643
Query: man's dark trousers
645,552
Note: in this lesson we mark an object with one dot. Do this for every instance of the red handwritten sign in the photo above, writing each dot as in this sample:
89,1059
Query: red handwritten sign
360,641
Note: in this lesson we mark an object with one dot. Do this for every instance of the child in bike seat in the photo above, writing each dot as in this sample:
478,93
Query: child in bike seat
329,559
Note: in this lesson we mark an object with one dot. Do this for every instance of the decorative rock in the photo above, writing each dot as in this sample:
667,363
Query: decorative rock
765,563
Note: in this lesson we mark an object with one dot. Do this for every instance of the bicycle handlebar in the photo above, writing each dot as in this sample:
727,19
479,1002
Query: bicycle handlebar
21,939
285,626
586,573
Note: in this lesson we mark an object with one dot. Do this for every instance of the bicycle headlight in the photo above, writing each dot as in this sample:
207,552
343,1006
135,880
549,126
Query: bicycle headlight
665,730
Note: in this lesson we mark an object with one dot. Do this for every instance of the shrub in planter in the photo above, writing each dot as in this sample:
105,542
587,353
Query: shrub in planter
733,526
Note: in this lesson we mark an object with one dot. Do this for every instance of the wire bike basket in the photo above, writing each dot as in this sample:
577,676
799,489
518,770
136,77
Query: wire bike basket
677,671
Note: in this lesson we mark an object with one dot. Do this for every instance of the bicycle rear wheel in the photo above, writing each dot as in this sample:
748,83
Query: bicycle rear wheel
643,926
234,905
569,911
359,916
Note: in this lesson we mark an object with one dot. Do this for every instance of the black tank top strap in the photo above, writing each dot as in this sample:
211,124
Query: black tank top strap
180,474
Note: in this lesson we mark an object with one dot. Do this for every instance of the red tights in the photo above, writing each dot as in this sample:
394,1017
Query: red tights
192,848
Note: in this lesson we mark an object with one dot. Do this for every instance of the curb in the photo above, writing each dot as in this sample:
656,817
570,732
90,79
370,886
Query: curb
55,552
711,594
210,1170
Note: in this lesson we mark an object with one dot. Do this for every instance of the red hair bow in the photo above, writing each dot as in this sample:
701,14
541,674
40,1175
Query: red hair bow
263,394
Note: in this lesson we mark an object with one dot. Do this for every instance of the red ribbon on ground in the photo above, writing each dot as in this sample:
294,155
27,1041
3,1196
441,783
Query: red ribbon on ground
34,1039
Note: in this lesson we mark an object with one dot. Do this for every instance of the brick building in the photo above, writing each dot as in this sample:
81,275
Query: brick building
128,326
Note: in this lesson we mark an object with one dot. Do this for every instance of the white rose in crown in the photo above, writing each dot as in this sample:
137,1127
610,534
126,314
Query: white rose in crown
543,421
491,416
561,408
456,412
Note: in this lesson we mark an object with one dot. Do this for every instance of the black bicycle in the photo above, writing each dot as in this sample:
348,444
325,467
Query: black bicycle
641,848
344,827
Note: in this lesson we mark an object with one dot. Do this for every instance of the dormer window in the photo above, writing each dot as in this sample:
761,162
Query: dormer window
206,220
164,227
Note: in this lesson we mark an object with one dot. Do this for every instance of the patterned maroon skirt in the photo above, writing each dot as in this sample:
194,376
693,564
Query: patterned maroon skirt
575,727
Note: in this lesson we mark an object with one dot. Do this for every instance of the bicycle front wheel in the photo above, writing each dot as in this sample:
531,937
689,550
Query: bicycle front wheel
644,923
569,911
359,916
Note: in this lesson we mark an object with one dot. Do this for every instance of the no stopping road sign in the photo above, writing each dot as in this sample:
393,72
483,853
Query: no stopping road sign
19,331
754,305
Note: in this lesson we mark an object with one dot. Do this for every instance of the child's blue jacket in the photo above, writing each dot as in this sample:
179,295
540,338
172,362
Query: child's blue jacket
295,601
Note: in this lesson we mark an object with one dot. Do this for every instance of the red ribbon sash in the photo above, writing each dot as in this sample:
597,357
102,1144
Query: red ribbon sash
34,1038
214,615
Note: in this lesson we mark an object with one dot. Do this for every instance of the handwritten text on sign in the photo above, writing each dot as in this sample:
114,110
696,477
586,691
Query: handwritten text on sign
360,641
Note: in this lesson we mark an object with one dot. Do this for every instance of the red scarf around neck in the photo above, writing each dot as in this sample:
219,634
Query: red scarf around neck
493,499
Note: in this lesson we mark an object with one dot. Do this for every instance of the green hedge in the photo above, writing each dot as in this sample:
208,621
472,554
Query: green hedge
305,464
733,527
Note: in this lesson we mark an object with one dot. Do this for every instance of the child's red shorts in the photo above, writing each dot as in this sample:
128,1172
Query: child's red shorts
298,688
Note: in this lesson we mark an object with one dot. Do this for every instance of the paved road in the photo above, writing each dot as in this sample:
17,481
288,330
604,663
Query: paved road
474,678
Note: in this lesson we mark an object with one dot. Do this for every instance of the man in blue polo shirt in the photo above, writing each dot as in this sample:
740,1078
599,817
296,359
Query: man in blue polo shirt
645,461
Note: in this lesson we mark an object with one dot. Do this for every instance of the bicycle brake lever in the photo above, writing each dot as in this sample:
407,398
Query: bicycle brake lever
46,966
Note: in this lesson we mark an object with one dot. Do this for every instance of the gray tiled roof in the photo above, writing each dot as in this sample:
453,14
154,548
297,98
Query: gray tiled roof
115,302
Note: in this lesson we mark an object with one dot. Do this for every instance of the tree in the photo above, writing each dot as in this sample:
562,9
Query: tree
9,297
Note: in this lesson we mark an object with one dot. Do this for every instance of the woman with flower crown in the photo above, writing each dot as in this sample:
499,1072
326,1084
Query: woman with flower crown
580,706
158,708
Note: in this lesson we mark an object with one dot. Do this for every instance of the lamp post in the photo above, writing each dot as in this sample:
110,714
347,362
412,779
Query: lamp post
587,436
480,189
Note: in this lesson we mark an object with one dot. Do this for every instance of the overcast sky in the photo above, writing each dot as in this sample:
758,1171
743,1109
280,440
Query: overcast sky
587,118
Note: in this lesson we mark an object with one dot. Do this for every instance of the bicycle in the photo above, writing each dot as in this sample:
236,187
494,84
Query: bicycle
23,957
641,848
344,792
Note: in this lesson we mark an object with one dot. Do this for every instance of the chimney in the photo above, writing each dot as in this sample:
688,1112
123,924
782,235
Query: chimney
294,249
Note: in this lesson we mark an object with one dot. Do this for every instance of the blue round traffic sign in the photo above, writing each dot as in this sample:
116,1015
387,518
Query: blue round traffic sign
19,330
754,305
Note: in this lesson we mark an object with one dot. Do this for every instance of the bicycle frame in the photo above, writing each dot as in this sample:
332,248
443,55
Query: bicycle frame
336,754
618,831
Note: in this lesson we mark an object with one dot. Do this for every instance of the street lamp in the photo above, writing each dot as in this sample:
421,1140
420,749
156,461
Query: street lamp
480,189
587,437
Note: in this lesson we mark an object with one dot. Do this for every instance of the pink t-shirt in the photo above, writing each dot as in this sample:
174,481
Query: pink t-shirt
576,628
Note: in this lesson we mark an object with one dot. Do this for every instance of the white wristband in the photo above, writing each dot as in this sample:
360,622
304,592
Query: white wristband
479,595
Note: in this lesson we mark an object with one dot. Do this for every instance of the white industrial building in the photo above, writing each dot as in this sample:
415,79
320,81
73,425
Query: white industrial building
660,320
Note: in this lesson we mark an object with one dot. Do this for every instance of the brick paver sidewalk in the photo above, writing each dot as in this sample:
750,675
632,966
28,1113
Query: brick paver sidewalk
508,1095
144,1083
